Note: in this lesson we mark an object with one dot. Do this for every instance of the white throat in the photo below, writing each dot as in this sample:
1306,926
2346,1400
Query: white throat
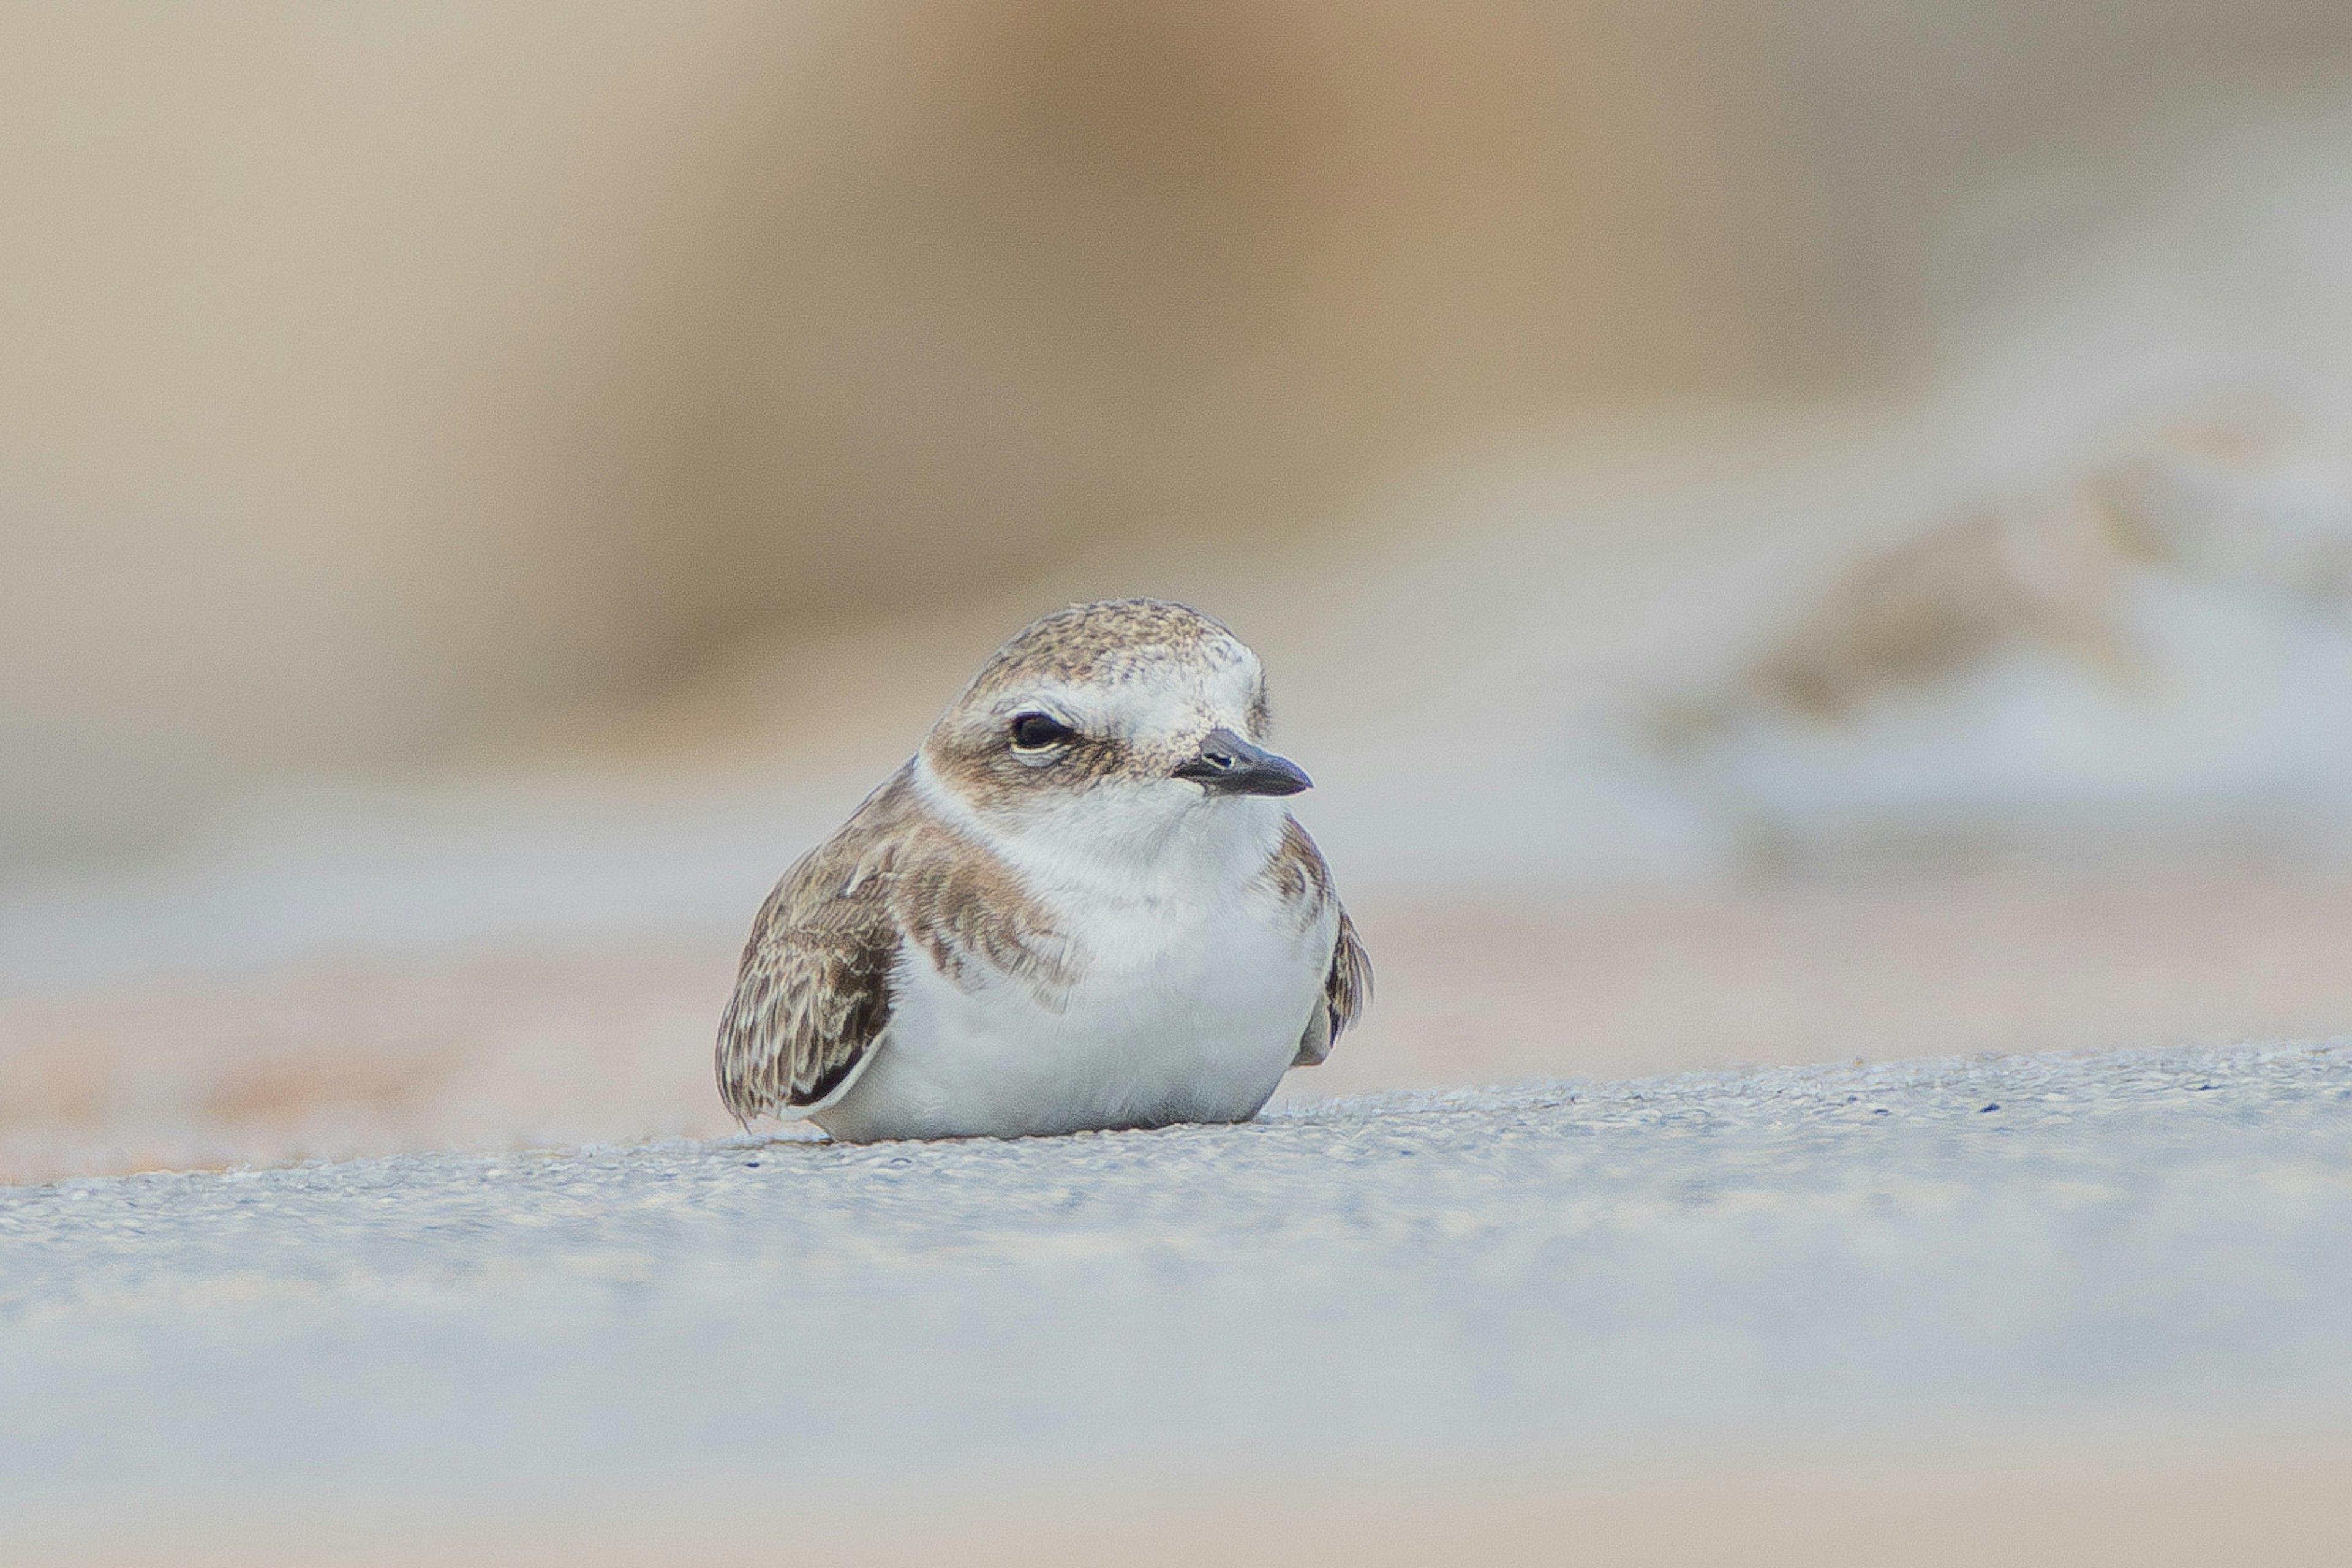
1119,843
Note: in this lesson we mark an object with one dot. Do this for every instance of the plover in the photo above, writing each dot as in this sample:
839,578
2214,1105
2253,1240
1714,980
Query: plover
1081,904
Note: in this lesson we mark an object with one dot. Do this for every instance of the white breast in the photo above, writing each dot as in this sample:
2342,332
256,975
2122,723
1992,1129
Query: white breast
1194,981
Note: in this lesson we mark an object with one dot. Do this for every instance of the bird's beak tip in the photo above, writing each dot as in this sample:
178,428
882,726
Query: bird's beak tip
1228,764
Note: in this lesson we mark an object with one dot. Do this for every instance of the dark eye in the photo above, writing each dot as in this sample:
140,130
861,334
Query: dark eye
1035,731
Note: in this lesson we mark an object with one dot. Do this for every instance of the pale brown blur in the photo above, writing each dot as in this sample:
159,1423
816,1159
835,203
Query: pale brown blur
483,487
377,376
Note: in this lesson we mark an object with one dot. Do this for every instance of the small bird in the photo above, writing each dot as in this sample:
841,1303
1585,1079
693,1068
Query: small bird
1081,904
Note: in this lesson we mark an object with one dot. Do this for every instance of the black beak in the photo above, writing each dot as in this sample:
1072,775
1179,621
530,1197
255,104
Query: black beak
1229,765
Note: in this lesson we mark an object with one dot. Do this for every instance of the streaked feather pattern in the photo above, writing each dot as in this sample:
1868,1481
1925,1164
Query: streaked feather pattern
1346,992
1300,874
813,993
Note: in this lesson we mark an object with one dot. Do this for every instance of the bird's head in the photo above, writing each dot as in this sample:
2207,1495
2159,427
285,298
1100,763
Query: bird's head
1131,711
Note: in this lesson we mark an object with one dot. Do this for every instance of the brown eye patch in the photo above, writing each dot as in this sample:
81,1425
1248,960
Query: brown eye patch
993,766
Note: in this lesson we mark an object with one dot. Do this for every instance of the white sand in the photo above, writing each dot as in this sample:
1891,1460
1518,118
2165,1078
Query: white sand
1484,1293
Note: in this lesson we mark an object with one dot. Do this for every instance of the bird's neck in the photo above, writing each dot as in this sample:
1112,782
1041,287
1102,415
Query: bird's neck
1109,844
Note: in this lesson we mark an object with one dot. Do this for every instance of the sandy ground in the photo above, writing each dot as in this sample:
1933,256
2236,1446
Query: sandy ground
1733,1298
2106,1510
607,1041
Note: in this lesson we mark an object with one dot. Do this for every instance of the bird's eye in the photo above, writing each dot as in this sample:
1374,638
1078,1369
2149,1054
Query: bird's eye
1036,732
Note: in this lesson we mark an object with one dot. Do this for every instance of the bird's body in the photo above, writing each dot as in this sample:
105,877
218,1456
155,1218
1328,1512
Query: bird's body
1081,905
1190,977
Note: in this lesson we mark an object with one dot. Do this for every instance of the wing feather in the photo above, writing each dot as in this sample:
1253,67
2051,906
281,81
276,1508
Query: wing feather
1300,872
813,991
810,1001
813,996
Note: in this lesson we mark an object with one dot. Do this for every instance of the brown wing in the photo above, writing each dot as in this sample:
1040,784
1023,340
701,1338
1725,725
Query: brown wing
1348,989
813,993
1300,873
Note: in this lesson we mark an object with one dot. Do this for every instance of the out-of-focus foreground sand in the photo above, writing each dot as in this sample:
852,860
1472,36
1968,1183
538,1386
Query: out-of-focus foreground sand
2282,1509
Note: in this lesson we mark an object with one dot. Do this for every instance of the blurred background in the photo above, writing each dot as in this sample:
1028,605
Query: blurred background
1866,486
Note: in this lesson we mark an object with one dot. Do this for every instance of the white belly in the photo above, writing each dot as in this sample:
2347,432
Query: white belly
1188,1013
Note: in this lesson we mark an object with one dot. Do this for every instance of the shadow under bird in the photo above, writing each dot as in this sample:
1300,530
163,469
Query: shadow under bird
1082,904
